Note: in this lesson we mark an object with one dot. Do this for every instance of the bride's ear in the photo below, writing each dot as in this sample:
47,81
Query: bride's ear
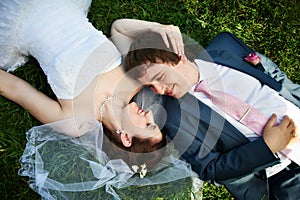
126,139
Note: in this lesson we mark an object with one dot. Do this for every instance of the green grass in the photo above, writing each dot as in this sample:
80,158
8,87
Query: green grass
270,27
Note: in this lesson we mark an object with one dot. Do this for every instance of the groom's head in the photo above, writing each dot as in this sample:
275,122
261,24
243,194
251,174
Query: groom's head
152,63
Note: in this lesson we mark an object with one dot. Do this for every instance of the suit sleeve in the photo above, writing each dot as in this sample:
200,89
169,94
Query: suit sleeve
239,161
290,90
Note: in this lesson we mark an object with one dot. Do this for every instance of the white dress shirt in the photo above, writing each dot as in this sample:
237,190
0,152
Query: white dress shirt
251,91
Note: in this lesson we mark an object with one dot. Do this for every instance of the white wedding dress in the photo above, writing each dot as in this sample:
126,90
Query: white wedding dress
58,34
71,53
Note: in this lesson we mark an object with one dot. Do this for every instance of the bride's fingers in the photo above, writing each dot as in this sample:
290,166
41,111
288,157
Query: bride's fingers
165,38
176,43
176,40
171,36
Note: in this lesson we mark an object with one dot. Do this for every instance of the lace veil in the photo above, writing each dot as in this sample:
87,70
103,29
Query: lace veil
64,167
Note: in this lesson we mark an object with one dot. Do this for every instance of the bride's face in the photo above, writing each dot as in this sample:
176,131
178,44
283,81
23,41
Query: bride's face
139,123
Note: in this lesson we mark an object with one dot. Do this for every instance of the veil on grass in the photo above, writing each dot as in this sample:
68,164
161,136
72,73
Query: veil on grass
64,167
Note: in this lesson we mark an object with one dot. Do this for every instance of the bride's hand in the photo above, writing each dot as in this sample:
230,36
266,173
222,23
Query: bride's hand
171,34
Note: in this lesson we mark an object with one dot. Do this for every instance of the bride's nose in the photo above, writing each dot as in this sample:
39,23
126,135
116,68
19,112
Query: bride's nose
149,116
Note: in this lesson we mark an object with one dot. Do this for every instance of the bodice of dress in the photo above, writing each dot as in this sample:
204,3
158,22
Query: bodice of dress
69,49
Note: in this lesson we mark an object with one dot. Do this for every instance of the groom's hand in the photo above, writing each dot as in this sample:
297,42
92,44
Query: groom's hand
278,136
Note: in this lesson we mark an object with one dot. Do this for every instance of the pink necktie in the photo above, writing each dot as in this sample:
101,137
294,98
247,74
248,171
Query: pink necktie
245,114
236,108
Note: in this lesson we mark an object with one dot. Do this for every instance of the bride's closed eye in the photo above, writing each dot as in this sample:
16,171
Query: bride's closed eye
151,126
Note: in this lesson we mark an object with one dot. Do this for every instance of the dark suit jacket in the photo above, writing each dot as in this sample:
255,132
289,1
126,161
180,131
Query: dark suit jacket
216,150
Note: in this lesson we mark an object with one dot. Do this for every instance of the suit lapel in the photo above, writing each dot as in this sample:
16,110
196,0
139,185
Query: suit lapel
228,59
211,125
226,49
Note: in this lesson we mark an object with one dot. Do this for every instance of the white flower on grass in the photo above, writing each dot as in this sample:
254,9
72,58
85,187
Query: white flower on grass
135,168
143,166
142,172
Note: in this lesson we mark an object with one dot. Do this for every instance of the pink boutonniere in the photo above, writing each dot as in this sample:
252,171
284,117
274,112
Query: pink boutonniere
252,58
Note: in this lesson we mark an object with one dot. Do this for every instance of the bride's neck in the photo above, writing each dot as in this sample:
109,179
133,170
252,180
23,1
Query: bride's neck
116,83
117,87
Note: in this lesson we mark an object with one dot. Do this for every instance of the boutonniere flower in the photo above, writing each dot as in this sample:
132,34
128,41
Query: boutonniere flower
252,58
142,172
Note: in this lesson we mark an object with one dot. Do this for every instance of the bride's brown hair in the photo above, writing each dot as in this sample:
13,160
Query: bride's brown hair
142,151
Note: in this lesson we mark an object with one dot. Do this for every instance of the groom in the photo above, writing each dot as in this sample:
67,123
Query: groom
220,150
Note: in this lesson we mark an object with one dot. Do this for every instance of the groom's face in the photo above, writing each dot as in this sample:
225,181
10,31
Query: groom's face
165,79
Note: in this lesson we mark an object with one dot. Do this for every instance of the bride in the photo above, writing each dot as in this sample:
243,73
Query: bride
82,66
83,69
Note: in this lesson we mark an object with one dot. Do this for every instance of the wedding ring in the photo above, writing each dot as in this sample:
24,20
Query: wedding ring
119,131
293,134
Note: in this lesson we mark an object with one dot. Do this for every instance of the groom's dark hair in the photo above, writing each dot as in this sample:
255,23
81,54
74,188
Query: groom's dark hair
148,47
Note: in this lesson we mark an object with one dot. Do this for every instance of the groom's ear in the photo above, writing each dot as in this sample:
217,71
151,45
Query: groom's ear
183,59
126,139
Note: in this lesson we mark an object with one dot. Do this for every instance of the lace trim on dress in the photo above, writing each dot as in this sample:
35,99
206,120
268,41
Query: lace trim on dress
11,15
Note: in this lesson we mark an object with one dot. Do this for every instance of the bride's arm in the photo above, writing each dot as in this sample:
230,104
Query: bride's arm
123,32
42,107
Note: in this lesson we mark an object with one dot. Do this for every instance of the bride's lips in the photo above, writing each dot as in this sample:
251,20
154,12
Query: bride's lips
139,110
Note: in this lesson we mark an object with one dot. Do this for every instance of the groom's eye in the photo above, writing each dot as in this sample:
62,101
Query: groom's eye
160,77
